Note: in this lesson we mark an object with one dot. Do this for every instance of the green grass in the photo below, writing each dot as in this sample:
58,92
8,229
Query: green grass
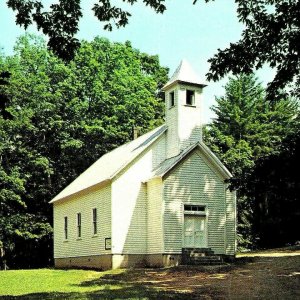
45,281
76,284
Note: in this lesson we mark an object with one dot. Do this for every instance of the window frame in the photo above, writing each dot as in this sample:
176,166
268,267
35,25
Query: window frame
190,97
66,227
195,209
79,225
95,220
171,99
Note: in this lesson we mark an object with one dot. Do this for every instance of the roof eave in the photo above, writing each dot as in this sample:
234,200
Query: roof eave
225,172
170,84
222,169
180,157
92,187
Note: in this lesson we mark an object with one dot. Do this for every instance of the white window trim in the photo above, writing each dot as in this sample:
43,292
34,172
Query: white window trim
192,212
66,229
79,226
94,222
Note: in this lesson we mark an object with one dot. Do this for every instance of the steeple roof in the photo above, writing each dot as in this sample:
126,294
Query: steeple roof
185,73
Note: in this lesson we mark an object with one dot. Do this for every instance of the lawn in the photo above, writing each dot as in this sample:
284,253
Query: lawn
55,282
72,284
260,275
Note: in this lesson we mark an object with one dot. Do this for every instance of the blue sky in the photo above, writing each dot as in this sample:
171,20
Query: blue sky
193,32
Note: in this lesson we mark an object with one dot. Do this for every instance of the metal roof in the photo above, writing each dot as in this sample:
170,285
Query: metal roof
185,73
110,164
166,166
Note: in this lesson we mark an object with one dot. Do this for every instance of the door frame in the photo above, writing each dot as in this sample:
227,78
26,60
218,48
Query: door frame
196,213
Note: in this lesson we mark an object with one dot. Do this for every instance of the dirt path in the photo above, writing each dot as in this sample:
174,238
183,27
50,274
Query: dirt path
250,278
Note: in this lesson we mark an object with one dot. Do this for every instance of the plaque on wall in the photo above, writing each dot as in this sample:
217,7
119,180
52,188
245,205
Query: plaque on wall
107,243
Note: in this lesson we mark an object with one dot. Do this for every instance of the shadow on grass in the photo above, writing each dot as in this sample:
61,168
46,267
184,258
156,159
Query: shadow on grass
128,292
112,286
140,284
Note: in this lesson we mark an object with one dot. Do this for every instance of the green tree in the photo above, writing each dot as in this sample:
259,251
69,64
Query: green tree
64,117
60,22
246,129
275,186
271,34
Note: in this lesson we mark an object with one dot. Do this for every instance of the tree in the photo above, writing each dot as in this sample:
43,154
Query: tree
248,128
275,186
60,23
16,222
271,34
64,117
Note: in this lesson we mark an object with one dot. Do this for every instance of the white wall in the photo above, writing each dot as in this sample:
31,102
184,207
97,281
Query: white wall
155,242
129,202
184,122
230,222
194,181
189,117
88,244
172,145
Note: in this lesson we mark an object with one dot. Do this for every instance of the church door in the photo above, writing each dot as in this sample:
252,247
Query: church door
194,231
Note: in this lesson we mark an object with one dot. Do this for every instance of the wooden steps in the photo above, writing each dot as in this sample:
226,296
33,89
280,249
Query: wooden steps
200,256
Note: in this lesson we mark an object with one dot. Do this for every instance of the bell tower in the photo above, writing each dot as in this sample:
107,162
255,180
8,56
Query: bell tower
183,99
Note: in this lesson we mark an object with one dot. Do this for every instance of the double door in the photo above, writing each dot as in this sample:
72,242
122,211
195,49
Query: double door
194,231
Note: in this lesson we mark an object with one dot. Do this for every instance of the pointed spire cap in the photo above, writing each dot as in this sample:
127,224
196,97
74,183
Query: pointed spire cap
184,74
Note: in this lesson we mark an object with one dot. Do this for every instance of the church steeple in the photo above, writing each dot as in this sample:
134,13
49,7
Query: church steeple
183,93
184,74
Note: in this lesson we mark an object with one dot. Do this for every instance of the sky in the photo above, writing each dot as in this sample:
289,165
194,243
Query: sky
184,31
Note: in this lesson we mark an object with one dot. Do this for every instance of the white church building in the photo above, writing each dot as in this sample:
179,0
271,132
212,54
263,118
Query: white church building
147,202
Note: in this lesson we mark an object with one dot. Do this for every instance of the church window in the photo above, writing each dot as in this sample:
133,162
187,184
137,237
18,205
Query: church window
79,225
95,220
66,227
190,97
191,209
171,99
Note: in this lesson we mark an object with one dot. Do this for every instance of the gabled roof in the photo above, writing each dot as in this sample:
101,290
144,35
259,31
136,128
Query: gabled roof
185,73
110,164
166,166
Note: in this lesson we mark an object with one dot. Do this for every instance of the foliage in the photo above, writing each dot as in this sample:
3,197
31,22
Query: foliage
275,186
271,36
64,117
60,22
247,129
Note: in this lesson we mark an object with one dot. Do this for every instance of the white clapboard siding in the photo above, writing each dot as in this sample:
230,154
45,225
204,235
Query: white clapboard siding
129,202
189,117
155,213
230,222
183,121
88,244
172,123
194,181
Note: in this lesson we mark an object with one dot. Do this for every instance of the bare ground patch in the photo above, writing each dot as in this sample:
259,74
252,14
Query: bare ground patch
269,274
256,277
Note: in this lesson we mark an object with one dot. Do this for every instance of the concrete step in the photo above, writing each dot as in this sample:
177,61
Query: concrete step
200,256
206,258
204,263
197,251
